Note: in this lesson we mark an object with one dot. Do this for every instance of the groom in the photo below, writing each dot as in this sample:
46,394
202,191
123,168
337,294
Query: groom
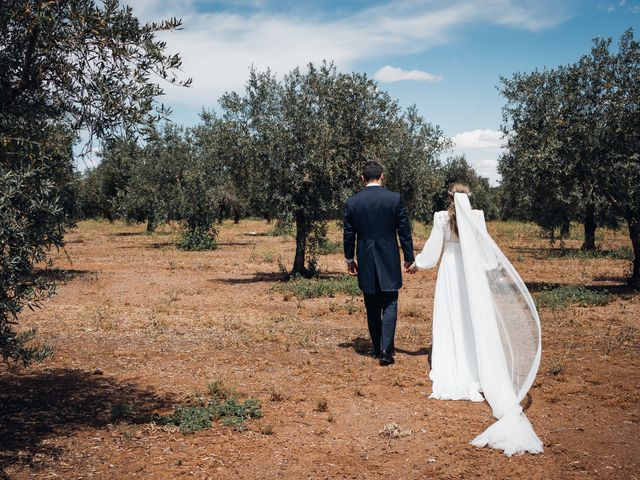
376,218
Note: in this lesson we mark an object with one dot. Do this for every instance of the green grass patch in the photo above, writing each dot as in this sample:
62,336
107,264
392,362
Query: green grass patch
304,288
222,404
572,295
329,248
620,253
516,229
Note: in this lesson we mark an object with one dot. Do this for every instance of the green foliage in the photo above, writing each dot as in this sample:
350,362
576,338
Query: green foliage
67,66
18,346
304,288
300,144
572,295
198,239
175,176
102,190
234,412
223,404
121,410
458,169
411,156
574,143
281,229
191,419
328,247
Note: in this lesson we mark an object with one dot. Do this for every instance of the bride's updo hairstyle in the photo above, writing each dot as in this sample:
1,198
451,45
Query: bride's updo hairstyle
455,187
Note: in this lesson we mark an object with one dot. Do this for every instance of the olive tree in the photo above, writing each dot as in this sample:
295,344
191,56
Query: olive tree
573,146
458,169
304,139
618,172
66,66
412,162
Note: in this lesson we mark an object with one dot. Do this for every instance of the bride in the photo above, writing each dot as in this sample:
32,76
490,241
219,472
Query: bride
486,330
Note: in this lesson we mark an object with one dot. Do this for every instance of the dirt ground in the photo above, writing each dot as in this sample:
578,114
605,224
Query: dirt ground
136,321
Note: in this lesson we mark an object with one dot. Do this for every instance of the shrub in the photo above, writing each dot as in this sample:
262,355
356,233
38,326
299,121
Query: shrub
233,412
304,288
190,419
223,404
198,239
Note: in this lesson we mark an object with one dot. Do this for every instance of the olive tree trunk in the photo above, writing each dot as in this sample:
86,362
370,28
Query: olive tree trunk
589,228
633,220
151,223
302,231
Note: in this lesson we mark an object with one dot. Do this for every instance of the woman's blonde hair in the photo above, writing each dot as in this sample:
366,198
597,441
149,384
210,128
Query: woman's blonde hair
455,187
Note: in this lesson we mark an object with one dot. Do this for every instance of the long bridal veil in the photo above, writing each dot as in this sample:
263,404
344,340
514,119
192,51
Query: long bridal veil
506,330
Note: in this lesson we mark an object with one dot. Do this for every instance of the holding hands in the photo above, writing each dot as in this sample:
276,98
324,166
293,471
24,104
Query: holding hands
410,267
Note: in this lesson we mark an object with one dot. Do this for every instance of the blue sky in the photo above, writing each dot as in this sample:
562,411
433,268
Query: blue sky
445,56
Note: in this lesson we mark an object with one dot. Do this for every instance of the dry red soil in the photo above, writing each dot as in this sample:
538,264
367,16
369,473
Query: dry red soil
137,321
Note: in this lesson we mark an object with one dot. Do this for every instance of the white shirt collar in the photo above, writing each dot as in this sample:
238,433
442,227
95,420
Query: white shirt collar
373,184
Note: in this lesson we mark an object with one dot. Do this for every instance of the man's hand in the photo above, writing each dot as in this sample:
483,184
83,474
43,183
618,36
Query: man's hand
410,267
352,268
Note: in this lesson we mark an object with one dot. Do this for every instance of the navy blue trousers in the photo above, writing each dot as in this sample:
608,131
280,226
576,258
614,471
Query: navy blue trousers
382,315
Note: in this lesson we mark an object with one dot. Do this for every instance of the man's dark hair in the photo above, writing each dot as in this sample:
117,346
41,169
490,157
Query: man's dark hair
372,170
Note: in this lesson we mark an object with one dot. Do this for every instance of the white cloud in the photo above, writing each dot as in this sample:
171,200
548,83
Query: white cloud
219,48
481,147
479,139
389,74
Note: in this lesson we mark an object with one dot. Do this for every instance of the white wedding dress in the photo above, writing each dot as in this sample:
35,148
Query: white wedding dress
486,330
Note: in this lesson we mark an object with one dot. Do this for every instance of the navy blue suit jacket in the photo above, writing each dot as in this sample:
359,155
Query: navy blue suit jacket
375,218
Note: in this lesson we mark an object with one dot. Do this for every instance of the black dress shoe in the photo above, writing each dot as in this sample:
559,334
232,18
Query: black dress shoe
386,359
376,354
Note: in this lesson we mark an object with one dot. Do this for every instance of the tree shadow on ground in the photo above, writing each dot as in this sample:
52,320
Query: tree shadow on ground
257,277
141,234
610,278
62,274
36,407
156,245
129,234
